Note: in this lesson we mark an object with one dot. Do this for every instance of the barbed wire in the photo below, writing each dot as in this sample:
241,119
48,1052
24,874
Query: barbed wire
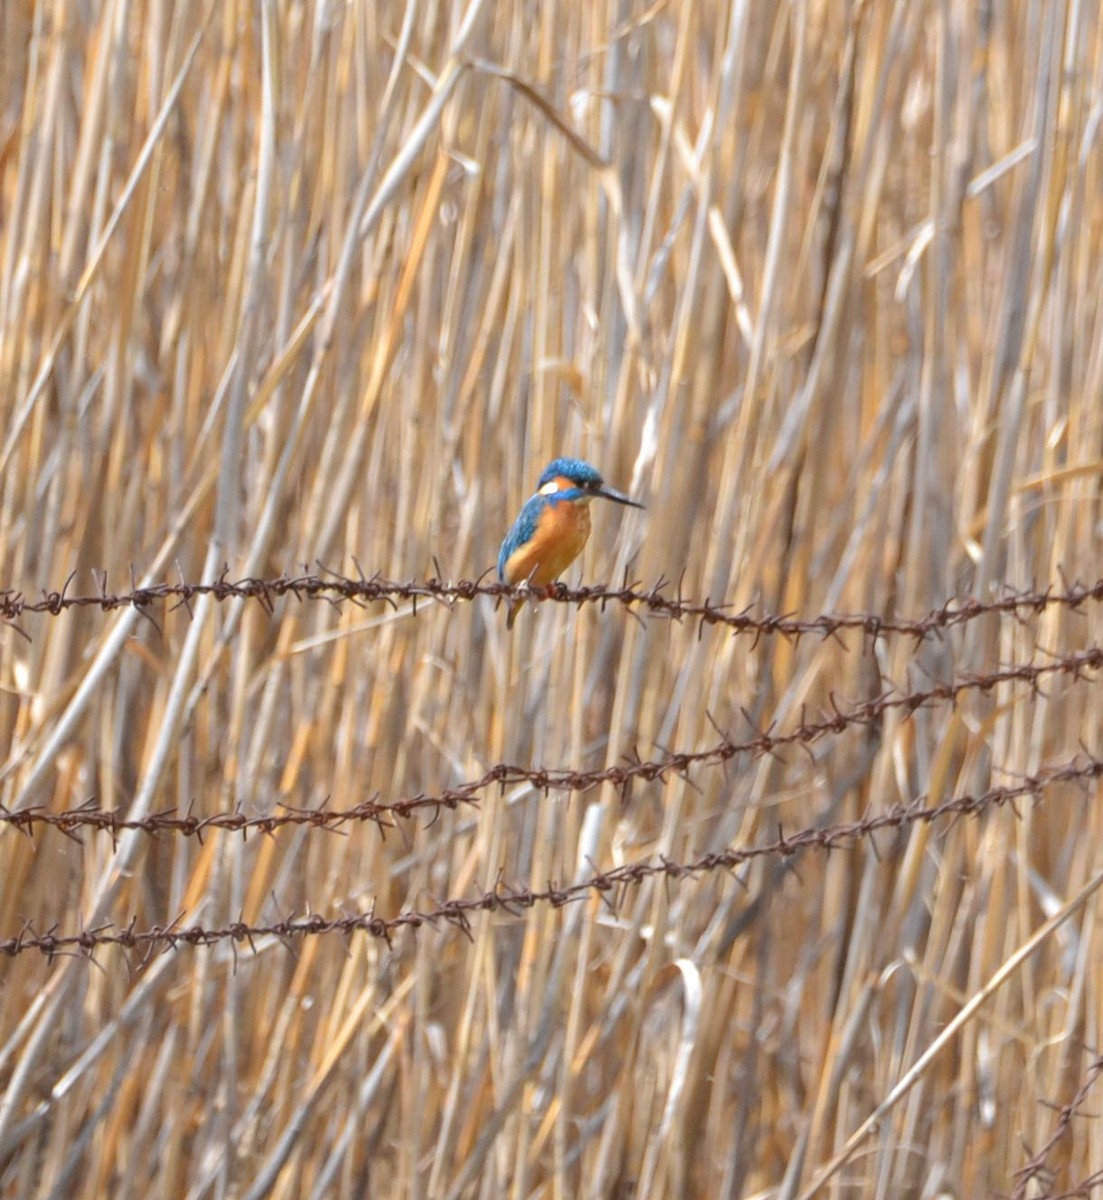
1085,1189
515,898
546,779
656,601
1037,1167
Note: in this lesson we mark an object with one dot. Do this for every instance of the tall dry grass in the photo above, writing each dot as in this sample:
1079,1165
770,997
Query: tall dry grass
286,284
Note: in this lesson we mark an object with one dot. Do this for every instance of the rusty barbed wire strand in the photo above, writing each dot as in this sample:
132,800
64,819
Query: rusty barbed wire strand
1087,1187
1038,1168
656,601
546,779
514,899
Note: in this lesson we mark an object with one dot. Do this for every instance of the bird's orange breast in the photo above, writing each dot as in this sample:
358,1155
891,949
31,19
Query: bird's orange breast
561,532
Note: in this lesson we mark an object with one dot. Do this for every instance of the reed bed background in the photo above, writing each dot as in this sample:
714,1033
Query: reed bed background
297,288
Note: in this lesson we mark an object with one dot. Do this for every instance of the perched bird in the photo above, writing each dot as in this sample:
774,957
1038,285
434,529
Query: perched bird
553,526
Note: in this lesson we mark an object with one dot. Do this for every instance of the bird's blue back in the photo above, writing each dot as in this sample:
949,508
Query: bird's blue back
524,528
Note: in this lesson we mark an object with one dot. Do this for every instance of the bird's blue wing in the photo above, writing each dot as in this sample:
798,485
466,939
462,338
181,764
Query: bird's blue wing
524,528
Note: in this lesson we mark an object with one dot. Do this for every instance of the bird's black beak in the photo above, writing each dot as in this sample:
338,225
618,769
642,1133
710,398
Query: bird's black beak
612,494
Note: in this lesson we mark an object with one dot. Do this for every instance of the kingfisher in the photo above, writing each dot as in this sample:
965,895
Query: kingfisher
553,526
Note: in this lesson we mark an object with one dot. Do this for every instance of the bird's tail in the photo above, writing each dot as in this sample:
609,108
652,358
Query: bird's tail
514,609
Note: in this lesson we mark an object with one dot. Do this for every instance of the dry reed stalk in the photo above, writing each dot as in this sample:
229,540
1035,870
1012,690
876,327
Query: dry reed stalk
282,284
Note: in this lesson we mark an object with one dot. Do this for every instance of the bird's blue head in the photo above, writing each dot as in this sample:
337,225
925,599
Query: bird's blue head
580,473
585,482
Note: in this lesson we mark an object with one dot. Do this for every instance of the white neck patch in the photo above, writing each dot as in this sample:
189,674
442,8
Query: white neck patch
550,488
